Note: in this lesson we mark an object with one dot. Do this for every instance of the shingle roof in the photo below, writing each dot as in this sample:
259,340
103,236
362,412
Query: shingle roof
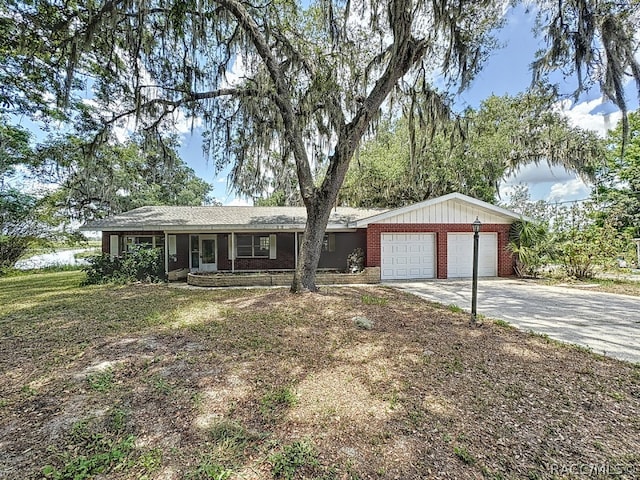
219,218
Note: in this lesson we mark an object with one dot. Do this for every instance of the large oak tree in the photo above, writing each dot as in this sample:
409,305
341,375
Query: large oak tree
399,167
284,84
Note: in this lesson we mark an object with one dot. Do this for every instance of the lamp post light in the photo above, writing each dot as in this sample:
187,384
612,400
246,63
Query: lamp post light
474,292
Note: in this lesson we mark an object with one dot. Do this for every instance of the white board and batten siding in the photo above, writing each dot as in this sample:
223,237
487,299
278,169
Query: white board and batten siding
407,256
460,255
446,212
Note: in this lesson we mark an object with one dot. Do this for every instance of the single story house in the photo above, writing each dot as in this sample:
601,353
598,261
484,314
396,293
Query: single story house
429,239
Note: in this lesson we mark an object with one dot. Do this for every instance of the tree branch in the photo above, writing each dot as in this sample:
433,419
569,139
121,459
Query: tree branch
282,96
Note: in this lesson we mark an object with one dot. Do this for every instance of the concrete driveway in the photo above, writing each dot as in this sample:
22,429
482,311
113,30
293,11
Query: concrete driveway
605,322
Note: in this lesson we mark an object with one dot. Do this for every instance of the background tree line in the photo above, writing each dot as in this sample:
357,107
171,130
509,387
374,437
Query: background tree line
592,235
49,188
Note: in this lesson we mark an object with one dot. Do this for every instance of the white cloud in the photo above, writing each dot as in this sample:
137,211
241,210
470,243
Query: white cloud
235,73
535,174
183,124
25,182
179,122
596,115
555,184
238,202
506,190
568,191
221,180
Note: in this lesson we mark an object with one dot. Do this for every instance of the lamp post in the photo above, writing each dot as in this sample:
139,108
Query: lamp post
474,292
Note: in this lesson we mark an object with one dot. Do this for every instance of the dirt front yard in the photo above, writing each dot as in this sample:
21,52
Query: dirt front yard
158,382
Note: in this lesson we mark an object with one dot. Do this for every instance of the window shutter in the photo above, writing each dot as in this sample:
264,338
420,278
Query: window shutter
114,246
173,248
272,247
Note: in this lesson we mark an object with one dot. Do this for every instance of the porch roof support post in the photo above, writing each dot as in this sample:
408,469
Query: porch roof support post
233,252
295,250
166,254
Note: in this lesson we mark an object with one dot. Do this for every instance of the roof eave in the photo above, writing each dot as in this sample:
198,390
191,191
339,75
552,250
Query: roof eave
210,228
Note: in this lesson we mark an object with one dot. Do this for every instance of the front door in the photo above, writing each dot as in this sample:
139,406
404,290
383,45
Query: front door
208,253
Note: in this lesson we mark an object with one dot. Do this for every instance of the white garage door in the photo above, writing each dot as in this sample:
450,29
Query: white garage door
407,255
460,255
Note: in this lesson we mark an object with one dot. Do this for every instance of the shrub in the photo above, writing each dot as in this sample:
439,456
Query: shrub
138,265
584,246
582,251
11,249
355,261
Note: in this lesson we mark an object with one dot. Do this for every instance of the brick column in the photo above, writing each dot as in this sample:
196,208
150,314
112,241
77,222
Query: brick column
441,254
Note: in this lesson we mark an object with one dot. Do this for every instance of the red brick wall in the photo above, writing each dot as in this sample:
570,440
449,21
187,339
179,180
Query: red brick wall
374,231
505,259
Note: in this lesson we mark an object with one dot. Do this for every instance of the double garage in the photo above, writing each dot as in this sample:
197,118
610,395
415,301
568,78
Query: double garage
434,239
413,255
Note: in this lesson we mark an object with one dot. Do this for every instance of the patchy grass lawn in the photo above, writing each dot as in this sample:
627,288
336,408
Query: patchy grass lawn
620,286
159,382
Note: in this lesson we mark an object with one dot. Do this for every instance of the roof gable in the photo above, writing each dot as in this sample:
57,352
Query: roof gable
451,208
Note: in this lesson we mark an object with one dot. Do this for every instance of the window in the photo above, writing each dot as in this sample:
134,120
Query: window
253,246
149,241
329,242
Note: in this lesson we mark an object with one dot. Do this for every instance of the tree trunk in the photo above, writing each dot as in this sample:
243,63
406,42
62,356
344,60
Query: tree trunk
319,205
304,279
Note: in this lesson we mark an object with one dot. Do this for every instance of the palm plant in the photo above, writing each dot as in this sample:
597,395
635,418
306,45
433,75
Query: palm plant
531,245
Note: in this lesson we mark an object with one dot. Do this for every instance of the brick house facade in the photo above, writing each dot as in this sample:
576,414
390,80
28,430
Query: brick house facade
408,242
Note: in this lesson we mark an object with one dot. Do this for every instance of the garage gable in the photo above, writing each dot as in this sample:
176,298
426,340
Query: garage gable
448,209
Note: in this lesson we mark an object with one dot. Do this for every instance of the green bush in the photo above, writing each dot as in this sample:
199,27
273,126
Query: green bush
583,251
138,265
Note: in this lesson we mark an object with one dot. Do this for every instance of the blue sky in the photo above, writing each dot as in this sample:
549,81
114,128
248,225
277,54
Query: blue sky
506,72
